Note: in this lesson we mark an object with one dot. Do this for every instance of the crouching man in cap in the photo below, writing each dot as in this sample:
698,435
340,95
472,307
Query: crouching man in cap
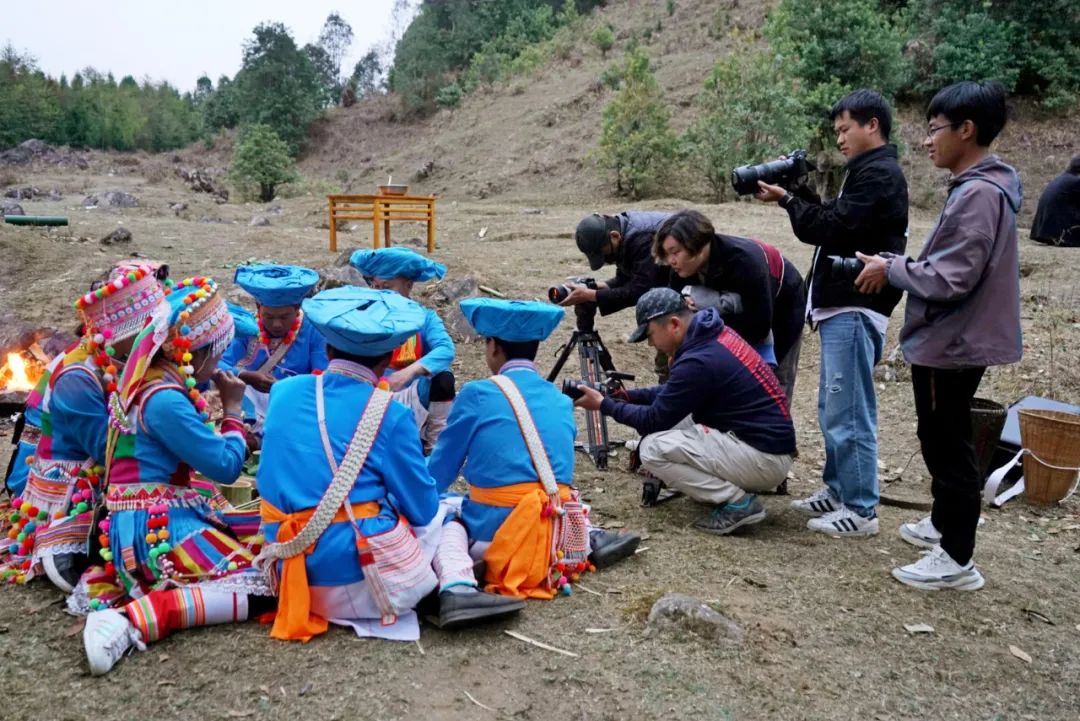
512,436
282,344
419,372
351,515
719,430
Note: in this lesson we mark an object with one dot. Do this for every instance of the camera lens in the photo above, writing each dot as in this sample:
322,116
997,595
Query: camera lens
842,267
570,388
558,293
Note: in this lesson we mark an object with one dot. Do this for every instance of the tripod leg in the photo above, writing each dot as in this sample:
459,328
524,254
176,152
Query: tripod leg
564,354
595,422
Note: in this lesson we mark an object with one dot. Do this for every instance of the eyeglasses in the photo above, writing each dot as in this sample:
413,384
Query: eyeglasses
934,128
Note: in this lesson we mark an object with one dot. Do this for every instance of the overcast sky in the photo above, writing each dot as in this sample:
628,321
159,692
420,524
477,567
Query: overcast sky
174,41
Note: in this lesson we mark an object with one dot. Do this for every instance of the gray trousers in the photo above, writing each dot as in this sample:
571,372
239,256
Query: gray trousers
709,465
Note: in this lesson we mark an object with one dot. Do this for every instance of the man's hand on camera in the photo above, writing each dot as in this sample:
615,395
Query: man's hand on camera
579,294
874,276
769,193
590,399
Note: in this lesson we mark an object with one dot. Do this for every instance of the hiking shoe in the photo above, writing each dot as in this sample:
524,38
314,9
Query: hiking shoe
936,570
108,635
922,533
822,502
609,547
466,609
727,517
844,523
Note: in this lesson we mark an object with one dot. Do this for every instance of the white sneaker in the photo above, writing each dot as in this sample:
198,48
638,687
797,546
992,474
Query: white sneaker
936,570
818,504
921,533
108,635
844,523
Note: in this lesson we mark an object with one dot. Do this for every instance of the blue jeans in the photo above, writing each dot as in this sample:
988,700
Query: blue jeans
847,409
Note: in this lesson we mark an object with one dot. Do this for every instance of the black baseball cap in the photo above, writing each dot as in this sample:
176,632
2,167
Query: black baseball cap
592,236
654,304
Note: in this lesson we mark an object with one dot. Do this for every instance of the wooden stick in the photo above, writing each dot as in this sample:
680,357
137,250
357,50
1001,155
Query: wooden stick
420,648
587,590
491,291
538,644
470,697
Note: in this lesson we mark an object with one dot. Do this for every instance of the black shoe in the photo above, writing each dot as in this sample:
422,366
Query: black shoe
609,547
466,609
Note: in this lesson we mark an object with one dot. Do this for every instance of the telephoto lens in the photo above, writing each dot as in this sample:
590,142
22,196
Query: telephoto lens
570,388
558,293
842,267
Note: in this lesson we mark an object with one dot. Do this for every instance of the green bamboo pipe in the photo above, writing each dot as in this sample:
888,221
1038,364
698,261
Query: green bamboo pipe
36,219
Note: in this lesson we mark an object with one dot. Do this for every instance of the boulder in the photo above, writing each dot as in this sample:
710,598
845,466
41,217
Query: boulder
335,276
342,260
259,221
677,612
120,235
10,207
457,326
451,291
111,199
27,192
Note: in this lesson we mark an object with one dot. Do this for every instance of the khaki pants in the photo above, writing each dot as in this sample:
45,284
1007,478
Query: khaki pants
710,466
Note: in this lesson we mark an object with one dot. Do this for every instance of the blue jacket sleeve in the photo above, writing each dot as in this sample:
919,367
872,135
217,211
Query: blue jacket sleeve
407,479
78,404
674,400
172,421
317,350
452,448
438,344
643,396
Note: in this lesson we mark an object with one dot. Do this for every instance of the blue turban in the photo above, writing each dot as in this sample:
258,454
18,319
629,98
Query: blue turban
364,321
396,263
276,285
512,320
246,325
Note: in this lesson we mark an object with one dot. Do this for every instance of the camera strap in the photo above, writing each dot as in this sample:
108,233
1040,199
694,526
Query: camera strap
539,456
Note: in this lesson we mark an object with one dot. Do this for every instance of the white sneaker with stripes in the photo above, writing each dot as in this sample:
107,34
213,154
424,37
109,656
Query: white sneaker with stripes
921,533
822,502
844,523
937,571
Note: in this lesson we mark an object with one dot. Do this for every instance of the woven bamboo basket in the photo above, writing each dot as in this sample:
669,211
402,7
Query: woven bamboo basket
1053,441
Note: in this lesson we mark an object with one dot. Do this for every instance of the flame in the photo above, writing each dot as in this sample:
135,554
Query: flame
19,381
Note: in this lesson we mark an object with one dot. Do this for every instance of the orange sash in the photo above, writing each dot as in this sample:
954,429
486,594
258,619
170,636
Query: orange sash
519,557
407,353
294,621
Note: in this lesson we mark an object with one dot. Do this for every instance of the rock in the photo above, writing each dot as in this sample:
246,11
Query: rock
28,192
424,170
451,291
274,210
34,150
342,261
55,194
178,208
414,242
335,276
10,207
679,612
259,221
111,199
458,327
533,211
202,180
120,235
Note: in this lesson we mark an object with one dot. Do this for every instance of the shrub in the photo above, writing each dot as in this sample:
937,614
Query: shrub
449,96
748,112
261,162
603,38
636,141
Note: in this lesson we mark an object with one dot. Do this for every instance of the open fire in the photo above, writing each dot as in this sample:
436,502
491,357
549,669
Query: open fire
19,374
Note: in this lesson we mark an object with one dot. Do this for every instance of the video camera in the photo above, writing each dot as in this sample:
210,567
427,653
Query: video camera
611,386
784,172
841,267
558,293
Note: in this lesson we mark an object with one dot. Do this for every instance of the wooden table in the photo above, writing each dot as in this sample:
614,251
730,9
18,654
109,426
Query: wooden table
380,210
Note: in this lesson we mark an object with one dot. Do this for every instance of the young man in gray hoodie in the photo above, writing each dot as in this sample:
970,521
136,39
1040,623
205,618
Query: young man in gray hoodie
963,314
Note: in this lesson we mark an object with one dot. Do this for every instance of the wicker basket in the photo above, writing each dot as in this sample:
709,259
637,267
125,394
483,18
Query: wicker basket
987,421
1053,439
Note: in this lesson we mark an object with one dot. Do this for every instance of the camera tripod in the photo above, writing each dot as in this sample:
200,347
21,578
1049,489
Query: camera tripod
598,371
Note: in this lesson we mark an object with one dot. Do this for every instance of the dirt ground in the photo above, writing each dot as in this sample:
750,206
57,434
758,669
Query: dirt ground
824,621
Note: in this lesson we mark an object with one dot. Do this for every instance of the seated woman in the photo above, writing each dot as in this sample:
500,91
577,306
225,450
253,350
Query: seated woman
164,543
52,516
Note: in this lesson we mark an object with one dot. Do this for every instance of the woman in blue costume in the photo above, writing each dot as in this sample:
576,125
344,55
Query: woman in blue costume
172,558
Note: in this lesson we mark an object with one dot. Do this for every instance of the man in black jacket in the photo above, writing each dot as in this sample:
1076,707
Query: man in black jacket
870,212
624,240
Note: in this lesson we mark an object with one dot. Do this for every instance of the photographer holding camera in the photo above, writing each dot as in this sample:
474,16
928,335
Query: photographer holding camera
624,240
869,215
719,430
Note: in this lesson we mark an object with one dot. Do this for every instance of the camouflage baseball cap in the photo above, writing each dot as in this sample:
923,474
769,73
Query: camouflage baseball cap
654,304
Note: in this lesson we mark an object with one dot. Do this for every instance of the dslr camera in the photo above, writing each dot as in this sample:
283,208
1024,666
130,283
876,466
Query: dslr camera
844,268
785,173
558,293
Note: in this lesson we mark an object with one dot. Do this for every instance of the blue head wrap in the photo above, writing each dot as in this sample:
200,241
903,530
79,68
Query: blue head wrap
364,321
512,320
396,263
276,285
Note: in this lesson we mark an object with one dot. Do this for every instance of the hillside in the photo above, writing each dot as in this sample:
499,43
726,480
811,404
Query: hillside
530,139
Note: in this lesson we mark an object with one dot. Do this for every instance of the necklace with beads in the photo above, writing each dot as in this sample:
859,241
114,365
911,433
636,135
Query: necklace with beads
290,336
